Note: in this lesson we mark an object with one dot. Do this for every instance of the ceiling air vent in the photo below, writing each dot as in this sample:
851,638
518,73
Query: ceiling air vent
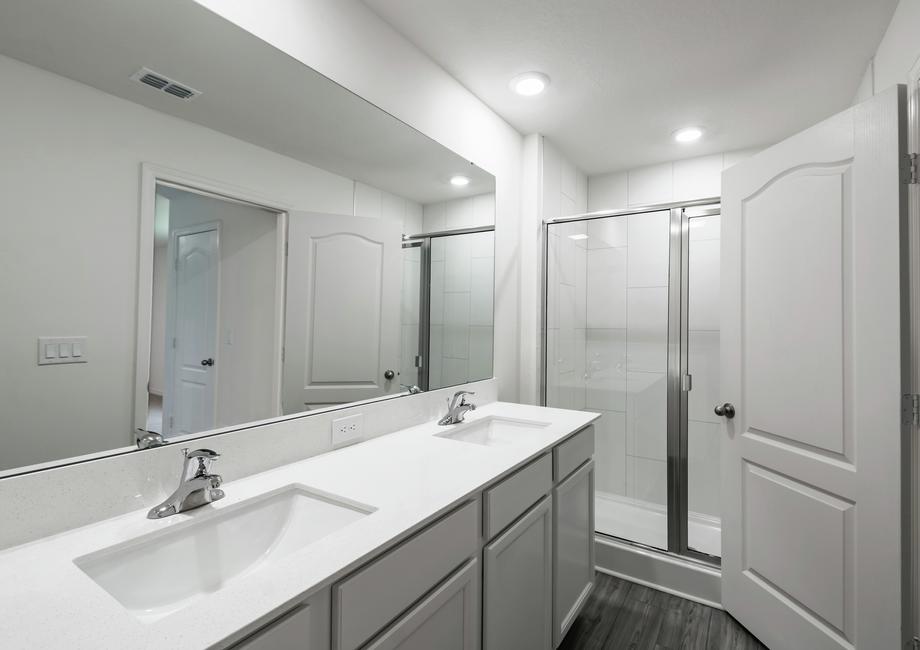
164,84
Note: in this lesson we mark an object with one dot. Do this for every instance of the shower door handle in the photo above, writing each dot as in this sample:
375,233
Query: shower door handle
726,410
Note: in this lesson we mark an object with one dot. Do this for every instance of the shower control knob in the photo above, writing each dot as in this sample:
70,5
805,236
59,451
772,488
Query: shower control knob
726,410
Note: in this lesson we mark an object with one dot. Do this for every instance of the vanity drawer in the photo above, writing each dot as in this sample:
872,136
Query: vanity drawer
368,600
509,499
572,453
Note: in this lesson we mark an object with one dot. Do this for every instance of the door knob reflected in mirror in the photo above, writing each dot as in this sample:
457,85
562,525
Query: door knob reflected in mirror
207,362
388,375
726,410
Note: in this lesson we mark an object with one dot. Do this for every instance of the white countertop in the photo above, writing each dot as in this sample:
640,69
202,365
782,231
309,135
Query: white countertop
410,476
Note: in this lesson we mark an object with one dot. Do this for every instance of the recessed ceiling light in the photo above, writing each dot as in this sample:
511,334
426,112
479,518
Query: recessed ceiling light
689,134
529,83
459,181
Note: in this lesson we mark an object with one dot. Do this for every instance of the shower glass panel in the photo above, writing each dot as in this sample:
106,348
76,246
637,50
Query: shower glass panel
631,329
410,315
607,351
460,313
702,364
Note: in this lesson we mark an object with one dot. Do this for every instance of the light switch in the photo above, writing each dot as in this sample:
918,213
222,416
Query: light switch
53,350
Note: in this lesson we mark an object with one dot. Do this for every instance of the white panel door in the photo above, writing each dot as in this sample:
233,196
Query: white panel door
812,461
190,401
342,330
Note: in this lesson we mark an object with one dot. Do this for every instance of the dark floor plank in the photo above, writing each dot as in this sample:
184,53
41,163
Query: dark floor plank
621,615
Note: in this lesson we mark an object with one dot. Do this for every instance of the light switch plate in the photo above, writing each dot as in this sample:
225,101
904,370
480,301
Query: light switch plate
61,349
348,430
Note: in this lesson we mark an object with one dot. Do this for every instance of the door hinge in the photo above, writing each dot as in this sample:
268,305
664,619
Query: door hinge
910,410
910,175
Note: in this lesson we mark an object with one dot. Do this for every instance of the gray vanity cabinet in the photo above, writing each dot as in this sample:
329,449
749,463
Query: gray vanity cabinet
447,619
573,547
518,583
306,627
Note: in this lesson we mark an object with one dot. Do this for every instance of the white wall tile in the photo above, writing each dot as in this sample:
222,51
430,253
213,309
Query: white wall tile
414,222
606,369
456,325
581,288
705,228
608,233
436,298
647,329
569,179
481,289
457,264
411,291
455,371
697,178
649,241
703,365
567,206
610,453
484,210
704,285
646,415
481,342
606,288
482,244
433,219
459,214
647,480
435,359
649,185
703,470
607,192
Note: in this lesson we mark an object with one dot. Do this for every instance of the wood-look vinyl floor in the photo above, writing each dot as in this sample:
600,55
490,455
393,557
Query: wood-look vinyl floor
622,615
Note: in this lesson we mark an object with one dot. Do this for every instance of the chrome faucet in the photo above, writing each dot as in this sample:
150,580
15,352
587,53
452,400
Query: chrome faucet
457,408
197,487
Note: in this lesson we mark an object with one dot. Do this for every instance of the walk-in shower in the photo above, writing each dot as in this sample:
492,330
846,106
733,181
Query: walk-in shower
447,307
631,330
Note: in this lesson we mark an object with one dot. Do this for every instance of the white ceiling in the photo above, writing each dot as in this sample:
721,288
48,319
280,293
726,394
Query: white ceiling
251,90
627,73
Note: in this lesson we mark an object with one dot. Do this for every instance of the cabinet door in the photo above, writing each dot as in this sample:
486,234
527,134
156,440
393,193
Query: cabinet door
573,547
306,627
447,619
517,608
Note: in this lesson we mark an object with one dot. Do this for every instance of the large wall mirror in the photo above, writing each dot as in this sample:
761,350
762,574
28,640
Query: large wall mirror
201,233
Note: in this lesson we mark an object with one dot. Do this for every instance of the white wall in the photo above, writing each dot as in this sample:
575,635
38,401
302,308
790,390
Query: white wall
68,146
555,188
343,40
380,204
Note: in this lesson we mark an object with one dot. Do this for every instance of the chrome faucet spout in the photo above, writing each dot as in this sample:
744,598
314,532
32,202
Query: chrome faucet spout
457,407
197,486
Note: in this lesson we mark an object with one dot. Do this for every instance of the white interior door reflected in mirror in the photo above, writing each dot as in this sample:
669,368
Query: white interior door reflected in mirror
189,399
342,328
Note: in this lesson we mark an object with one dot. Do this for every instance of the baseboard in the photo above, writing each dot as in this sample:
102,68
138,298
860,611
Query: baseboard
662,571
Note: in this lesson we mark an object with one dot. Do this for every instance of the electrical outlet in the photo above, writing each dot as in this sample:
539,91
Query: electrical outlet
347,430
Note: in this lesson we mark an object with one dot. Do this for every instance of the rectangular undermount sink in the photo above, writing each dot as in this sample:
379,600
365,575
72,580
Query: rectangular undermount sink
492,431
160,573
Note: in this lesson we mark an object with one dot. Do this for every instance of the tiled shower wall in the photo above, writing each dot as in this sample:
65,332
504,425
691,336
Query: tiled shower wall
462,290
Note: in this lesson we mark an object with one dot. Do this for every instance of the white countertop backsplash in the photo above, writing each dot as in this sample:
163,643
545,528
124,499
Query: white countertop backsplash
411,476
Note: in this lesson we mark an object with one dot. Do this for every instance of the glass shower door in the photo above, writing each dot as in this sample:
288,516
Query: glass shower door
607,298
